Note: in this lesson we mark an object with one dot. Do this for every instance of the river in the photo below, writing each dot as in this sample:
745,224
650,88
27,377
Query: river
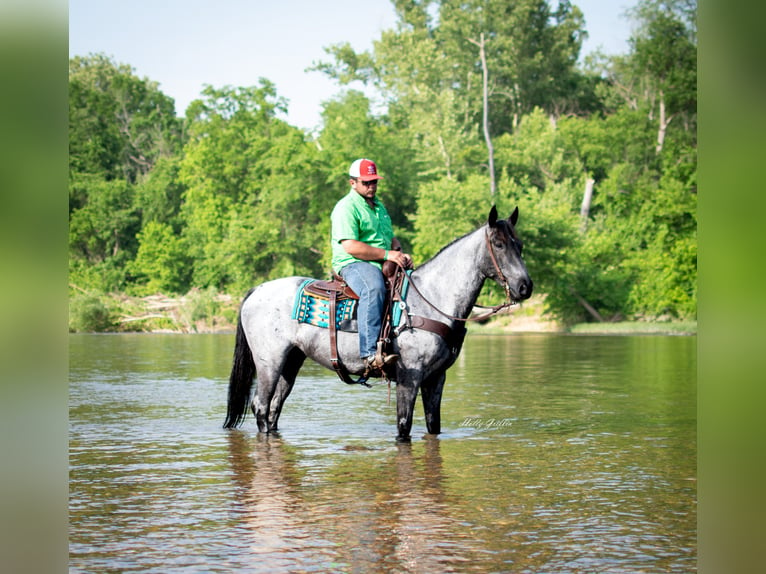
559,454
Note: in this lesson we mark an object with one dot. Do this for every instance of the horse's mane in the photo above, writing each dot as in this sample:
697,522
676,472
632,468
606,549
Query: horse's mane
443,249
500,224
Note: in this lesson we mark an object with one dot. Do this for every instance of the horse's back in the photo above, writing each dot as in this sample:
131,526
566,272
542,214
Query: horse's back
276,294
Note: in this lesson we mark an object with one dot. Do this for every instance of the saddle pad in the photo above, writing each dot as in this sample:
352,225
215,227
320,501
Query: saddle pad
315,309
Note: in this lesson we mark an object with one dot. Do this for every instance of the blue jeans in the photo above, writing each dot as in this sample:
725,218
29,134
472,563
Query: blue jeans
367,281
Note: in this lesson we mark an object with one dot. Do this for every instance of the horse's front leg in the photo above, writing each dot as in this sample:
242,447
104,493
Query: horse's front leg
407,386
431,393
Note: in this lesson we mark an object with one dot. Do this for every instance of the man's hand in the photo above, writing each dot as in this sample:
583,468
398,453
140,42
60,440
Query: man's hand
401,259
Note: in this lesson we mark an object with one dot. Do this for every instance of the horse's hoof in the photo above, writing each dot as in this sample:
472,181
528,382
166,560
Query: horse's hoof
404,439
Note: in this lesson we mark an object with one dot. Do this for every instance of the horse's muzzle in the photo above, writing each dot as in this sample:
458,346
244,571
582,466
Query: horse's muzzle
523,289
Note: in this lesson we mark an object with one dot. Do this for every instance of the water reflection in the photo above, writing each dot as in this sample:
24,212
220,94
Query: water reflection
368,511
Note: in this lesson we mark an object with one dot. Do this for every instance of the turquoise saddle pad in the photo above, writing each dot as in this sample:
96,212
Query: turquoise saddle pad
315,310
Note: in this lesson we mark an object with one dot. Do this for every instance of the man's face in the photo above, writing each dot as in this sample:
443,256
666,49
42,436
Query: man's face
366,189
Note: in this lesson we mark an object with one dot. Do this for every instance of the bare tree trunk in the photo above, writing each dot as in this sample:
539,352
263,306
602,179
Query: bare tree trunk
584,211
445,155
485,120
588,307
664,121
585,207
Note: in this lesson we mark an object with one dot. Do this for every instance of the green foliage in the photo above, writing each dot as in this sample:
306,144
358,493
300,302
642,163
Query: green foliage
89,314
250,185
159,195
103,221
448,209
119,124
120,128
537,154
201,305
232,195
548,229
666,271
161,264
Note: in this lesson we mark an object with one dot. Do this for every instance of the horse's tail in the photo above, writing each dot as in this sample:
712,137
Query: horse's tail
241,378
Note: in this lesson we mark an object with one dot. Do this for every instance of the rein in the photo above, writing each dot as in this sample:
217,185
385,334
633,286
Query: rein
492,310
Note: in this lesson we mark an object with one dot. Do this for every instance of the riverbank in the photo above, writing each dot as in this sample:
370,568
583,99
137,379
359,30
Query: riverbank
530,317
207,311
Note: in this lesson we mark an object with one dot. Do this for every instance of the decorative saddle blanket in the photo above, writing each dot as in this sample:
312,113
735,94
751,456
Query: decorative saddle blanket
314,309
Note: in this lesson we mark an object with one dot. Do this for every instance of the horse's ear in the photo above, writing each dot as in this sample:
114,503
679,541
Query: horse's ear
493,216
514,216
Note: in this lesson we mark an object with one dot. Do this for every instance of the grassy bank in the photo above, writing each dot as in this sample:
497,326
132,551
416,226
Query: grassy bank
207,311
530,317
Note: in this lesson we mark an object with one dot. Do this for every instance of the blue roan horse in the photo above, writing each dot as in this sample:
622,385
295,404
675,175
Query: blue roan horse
272,345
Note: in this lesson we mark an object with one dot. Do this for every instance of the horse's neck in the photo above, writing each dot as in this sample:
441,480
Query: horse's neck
452,280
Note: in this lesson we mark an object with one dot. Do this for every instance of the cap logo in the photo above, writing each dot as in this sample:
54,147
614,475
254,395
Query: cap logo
364,168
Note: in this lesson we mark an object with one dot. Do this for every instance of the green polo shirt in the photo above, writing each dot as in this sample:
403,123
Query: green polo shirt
353,218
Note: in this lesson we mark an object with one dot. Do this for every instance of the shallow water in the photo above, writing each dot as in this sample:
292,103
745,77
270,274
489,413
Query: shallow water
558,454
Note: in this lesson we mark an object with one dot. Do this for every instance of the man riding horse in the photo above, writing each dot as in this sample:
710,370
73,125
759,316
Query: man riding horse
362,240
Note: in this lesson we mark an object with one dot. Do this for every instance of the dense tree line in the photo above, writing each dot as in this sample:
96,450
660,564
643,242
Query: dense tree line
601,158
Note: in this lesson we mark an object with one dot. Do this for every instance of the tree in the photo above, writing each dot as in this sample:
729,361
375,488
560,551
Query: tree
119,124
432,79
161,264
659,75
250,180
102,231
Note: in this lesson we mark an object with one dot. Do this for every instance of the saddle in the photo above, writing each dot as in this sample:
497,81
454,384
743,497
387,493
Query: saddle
336,287
336,291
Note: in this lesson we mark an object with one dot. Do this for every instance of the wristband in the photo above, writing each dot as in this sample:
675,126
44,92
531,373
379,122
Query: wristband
385,256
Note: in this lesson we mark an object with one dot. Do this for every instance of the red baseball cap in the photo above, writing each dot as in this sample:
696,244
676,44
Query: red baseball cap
364,169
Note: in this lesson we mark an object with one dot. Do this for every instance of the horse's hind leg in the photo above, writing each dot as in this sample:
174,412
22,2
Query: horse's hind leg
268,379
275,381
284,386
431,392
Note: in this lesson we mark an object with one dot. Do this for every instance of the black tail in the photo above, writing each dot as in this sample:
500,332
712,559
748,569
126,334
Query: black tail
241,378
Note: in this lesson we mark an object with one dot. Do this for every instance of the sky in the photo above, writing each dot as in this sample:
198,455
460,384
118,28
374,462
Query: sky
185,44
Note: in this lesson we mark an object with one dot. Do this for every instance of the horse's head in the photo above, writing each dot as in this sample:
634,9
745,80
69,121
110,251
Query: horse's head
504,246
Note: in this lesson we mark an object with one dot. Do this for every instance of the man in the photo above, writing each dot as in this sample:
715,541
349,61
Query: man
362,239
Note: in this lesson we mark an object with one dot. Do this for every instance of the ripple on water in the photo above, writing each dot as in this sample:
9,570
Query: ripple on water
557,455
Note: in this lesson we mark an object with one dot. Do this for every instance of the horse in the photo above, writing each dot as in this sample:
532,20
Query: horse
271,346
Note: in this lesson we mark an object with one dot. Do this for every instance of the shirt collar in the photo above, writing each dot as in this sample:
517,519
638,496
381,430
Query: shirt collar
362,201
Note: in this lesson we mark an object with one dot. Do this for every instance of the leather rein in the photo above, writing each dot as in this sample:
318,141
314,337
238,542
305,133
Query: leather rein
492,310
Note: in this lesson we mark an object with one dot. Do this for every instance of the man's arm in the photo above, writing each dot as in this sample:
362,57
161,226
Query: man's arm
363,251
366,252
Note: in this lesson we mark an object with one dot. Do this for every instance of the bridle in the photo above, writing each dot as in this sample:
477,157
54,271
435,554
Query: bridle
501,277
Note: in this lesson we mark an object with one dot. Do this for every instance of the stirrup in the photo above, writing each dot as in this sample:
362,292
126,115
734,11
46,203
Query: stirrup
383,360
362,381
